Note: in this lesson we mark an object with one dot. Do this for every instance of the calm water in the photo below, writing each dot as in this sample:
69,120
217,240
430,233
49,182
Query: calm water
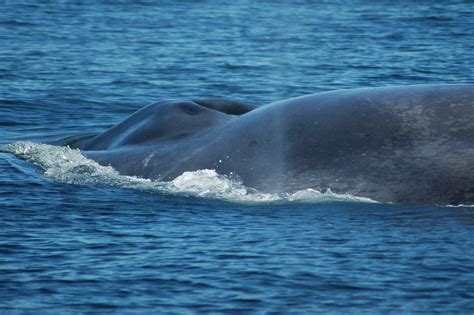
78,238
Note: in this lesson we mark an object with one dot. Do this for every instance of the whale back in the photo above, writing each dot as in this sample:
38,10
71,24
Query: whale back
397,144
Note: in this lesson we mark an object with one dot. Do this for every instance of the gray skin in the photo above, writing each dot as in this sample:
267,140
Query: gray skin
409,144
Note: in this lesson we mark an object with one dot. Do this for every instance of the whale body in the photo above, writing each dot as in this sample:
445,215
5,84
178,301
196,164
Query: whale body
405,144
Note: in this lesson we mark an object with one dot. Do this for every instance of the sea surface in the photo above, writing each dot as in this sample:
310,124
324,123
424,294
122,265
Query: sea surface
76,237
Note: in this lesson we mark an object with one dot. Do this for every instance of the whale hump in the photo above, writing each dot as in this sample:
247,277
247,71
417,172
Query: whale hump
168,120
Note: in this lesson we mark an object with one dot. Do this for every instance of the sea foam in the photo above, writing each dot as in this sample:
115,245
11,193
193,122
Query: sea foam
70,166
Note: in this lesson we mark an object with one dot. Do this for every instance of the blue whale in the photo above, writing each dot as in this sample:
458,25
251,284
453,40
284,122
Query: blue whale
405,144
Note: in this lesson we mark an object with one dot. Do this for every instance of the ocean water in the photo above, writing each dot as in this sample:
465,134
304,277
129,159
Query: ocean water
78,238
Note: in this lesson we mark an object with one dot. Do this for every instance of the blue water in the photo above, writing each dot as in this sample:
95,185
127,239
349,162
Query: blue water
78,238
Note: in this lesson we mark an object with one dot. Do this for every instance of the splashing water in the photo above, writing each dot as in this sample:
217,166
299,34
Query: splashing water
70,166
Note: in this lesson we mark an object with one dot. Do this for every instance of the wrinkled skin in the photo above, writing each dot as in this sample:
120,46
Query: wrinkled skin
411,144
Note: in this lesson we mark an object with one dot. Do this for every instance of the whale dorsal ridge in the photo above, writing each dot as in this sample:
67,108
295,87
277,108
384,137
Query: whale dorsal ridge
226,106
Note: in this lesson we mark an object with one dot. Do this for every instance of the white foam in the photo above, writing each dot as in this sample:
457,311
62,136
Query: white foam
70,166
460,206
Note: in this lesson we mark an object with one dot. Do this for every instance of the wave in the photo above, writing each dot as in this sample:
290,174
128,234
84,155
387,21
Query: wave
70,166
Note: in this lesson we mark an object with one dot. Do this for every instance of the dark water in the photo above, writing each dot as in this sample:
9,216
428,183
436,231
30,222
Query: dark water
74,239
